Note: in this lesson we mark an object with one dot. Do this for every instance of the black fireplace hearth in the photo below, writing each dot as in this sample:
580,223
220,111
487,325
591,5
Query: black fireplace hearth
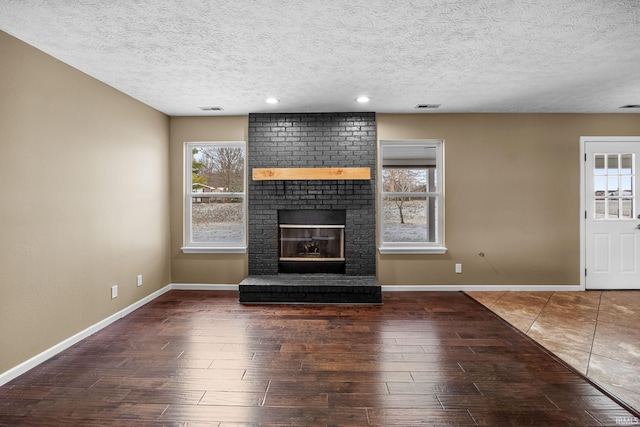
310,289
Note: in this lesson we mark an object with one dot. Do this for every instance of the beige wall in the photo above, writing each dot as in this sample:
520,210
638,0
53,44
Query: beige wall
84,201
200,268
512,192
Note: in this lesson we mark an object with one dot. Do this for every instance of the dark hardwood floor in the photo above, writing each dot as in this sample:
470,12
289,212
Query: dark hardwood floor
198,358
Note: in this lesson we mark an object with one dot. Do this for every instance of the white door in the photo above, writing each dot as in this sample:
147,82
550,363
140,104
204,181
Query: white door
612,220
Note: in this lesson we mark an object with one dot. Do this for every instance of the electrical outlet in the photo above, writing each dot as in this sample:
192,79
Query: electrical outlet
458,268
139,280
114,291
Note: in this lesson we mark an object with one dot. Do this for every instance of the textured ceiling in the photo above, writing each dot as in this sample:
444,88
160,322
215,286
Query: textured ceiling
319,55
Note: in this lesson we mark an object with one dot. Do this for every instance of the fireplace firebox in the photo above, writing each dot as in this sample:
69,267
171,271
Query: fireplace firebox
311,241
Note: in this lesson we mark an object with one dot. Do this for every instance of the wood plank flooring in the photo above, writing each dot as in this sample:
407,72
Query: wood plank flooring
198,358
595,332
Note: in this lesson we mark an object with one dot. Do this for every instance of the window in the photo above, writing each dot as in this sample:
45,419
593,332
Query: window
613,184
215,183
411,200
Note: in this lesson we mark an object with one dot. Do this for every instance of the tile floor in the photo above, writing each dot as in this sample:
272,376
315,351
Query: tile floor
595,332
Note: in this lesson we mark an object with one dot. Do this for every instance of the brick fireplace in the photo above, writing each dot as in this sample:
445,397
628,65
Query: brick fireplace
300,140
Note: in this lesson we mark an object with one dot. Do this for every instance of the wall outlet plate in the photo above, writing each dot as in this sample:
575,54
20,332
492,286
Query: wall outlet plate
139,280
114,291
458,268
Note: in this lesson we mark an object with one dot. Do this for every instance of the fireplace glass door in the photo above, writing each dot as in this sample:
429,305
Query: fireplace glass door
311,242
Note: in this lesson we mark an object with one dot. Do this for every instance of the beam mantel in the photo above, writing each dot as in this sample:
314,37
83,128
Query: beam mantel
298,174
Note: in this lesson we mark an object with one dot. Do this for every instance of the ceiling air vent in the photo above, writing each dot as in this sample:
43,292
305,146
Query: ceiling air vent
423,106
211,108
631,106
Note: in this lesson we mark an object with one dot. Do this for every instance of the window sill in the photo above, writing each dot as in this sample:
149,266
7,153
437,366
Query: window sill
218,250
400,250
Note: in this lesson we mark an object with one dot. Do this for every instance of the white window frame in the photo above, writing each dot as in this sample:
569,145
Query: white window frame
189,194
436,247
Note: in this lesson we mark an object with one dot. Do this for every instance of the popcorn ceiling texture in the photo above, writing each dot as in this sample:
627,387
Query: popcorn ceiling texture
318,56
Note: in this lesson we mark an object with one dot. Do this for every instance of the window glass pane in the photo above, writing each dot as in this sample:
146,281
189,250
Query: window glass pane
599,165
217,169
409,219
613,208
626,164
404,180
432,208
432,180
612,164
627,185
600,185
627,209
217,219
612,186
600,209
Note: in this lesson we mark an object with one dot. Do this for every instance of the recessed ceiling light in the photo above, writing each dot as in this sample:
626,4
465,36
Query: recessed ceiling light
363,99
272,100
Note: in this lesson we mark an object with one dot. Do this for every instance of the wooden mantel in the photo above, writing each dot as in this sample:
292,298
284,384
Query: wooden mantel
287,174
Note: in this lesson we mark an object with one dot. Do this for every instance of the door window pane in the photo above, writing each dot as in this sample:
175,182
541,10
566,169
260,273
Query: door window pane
626,185
626,167
614,186
612,164
600,209
600,185
627,208
613,210
599,165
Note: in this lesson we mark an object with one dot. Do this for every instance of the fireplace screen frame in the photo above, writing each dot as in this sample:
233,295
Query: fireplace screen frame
310,253
305,218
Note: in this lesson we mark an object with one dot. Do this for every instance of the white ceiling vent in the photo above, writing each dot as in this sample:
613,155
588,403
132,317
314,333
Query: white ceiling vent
423,106
631,106
211,108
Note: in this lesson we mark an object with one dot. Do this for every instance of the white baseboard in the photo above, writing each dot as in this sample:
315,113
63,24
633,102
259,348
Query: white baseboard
483,288
203,287
16,371
408,288
20,369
